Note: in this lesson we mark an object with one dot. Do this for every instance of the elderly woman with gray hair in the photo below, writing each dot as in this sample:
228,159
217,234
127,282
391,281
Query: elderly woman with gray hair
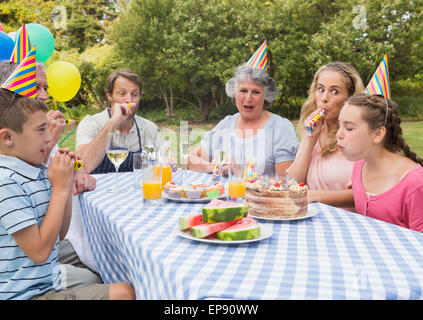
253,133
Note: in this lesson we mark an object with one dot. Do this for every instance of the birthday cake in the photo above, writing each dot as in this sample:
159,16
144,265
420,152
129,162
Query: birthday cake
275,200
194,190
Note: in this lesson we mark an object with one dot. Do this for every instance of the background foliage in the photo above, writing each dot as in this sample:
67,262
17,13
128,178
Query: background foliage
185,50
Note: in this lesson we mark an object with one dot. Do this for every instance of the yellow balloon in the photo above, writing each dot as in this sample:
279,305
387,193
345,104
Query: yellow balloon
64,80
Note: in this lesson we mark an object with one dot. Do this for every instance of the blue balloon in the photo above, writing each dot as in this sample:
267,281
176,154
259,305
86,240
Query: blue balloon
6,46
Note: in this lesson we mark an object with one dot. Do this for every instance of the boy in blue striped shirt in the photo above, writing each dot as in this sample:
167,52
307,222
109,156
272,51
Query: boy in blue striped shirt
35,208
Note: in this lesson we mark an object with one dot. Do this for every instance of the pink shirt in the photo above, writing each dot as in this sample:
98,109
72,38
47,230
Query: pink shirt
401,205
332,172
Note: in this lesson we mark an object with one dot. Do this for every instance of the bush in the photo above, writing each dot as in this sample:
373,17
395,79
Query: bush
408,94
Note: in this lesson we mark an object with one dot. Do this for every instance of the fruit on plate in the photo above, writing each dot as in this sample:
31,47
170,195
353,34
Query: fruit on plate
206,229
223,220
243,229
190,220
222,211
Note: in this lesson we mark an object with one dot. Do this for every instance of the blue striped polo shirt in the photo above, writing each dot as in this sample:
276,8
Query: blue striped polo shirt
24,198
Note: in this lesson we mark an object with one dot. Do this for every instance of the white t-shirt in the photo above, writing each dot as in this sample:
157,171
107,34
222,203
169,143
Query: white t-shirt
91,125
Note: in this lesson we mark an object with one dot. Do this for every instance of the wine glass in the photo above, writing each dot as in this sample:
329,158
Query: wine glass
220,147
183,152
117,150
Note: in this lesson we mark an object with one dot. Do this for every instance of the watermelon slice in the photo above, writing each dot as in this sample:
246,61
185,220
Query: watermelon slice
222,211
190,220
206,229
244,229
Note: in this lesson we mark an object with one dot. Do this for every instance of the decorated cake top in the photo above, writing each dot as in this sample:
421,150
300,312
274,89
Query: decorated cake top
273,184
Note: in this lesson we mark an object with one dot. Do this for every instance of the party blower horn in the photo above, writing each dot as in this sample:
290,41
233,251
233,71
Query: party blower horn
78,165
69,122
311,125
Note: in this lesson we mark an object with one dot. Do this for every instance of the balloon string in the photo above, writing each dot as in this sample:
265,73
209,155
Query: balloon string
70,116
60,144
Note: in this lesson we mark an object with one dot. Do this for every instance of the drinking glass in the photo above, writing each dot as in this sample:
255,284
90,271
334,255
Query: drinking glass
152,183
236,181
164,158
117,150
137,161
220,148
183,152
150,149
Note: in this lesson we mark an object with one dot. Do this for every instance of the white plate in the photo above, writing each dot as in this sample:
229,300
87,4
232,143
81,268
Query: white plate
201,200
265,232
311,212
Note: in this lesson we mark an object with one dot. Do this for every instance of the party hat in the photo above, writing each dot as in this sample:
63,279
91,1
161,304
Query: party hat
216,172
259,58
172,161
379,84
22,46
250,173
22,80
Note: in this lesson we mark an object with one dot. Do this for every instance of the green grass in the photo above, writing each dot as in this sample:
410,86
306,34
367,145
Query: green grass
412,131
413,136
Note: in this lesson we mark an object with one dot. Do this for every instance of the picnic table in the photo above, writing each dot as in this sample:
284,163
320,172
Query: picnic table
335,254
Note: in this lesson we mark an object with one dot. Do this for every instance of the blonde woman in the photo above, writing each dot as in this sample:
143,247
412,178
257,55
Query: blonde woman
318,162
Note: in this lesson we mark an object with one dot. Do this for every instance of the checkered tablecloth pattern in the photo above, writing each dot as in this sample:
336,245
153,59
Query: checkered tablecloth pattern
334,255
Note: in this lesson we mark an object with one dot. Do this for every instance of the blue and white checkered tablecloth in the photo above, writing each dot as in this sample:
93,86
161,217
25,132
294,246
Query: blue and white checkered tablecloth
334,255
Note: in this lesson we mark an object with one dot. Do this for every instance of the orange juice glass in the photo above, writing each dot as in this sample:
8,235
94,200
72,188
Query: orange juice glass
236,181
152,184
166,175
152,190
236,189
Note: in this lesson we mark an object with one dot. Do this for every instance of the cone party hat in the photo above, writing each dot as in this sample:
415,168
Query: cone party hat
22,46
379,83
23,79
259,58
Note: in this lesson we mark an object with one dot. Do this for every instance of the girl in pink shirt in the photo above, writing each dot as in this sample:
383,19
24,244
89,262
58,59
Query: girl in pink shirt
387,179
318,162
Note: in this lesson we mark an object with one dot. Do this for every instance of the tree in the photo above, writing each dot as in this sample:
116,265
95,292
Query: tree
87,21
139,37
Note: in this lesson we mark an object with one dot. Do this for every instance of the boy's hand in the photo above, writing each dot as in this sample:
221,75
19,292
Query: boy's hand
61,170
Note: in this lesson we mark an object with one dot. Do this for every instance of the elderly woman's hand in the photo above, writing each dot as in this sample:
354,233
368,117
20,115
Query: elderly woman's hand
83,182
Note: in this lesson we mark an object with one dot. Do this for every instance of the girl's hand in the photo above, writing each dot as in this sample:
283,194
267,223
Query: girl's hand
317,130
312,196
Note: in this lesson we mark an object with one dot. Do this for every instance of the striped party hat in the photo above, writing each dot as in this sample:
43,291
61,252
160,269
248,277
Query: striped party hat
259,58
379,84
23,79
22,46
